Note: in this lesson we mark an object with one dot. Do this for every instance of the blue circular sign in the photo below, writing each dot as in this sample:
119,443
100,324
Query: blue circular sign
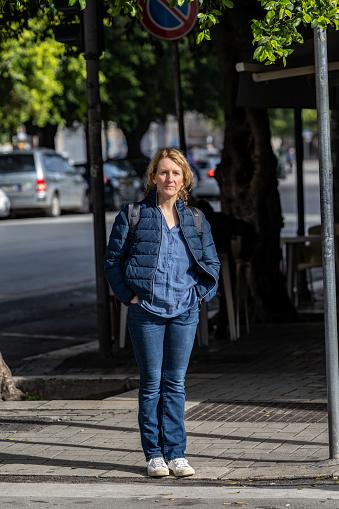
168,22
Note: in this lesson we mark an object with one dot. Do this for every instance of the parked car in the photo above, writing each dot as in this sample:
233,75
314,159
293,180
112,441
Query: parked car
206,186
5,204
42,180
122,184
140,165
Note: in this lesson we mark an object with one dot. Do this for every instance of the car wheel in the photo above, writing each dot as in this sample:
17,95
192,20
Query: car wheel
116,202
85,205
54,209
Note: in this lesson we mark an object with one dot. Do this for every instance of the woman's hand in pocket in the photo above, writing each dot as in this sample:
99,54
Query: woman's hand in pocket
135,300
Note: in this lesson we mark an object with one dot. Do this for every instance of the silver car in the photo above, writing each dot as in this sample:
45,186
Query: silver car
42,180
5,204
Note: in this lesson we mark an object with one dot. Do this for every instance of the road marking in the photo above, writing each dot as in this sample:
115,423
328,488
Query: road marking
85,218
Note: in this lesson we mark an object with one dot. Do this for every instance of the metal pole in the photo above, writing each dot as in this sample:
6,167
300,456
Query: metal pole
327,239
92,53
178,93
299,156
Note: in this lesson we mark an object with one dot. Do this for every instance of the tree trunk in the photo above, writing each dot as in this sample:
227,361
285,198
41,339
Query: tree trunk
247,172
46,136
133,139
8,391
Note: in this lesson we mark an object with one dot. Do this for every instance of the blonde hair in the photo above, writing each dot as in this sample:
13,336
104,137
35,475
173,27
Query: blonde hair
176,156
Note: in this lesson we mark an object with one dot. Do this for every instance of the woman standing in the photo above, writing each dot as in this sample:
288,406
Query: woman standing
163,276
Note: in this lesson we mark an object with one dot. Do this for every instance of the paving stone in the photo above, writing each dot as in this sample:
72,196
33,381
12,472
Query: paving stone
221,450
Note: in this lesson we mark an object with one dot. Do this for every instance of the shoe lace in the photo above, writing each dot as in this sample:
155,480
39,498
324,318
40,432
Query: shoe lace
181,462
158,462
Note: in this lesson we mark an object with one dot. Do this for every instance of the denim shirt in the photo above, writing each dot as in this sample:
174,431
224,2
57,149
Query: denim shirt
175,278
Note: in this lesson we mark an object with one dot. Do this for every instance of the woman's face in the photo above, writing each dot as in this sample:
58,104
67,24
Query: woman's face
168,179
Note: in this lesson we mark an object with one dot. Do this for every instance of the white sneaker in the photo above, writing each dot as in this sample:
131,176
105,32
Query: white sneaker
180,467
156,467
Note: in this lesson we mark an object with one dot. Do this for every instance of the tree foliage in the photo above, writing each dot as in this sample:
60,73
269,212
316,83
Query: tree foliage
281,25
40,82
138,72
28,80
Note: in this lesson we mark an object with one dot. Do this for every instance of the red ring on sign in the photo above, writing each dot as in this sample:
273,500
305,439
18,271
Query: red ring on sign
187,22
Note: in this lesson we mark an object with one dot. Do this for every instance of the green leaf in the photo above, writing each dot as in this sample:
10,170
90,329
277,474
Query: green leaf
270,5
228,3
200,37
258,52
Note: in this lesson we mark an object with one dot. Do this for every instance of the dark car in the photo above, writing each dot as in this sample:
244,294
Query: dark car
140,165
122,184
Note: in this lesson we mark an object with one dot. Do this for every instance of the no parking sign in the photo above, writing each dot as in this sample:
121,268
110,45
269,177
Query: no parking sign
168,23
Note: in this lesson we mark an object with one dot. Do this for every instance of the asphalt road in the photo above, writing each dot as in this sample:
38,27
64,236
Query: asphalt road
47,272
158,494
41,255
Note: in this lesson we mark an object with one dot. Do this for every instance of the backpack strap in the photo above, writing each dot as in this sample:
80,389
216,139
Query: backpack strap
197,216
133,216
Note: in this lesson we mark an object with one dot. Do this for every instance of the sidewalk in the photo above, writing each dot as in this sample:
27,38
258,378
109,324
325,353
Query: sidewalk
256,410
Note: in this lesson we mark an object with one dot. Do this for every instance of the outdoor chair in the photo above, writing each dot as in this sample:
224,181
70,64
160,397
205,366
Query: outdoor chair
241,287
310,257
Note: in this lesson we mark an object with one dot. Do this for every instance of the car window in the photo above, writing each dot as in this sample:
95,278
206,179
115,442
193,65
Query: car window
68,168
11,163
111,170
56,163
52,163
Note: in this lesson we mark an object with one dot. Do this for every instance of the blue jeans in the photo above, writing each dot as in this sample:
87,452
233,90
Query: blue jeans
162,348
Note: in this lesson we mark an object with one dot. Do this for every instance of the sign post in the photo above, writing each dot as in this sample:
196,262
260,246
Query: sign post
171,24
327,239
178,94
